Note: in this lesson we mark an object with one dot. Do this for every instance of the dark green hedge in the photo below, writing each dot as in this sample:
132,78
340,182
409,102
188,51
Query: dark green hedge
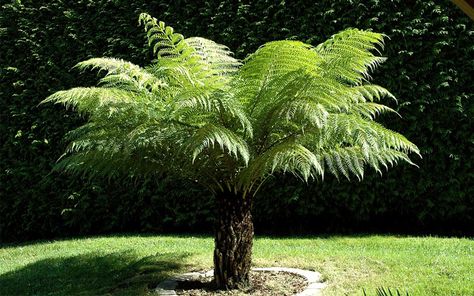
430,70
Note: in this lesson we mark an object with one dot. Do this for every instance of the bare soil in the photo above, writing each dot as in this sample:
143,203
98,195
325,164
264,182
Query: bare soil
262,284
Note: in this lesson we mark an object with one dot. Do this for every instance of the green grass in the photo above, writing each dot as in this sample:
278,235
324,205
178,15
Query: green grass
127,265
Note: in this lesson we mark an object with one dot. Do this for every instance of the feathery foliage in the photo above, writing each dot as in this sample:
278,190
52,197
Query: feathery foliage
198,112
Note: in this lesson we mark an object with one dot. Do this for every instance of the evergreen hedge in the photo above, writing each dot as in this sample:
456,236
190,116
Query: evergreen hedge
430,70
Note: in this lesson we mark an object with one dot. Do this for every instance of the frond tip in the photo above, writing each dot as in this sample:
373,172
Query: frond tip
347,55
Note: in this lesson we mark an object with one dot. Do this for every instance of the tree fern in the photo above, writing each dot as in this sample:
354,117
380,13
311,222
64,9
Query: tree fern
199,113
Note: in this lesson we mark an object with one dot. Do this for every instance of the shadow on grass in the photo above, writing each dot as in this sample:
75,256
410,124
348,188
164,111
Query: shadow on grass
121,273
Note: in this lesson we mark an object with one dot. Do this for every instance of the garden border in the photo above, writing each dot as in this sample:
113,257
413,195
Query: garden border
313,280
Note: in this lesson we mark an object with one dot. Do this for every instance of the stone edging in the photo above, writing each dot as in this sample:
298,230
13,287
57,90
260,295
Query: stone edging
313,279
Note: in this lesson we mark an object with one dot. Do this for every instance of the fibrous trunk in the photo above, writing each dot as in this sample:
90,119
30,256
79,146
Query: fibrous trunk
233,241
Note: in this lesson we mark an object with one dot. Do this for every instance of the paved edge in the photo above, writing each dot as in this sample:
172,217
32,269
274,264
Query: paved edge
313,279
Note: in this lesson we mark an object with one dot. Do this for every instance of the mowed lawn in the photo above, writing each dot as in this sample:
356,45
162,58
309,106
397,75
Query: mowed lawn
129,265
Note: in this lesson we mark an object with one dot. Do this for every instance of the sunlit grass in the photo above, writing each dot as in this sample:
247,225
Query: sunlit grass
129,265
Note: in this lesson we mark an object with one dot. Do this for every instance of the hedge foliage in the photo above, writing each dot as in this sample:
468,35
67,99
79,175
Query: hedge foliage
430,70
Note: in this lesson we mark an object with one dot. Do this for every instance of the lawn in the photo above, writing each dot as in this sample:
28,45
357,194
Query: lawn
127,265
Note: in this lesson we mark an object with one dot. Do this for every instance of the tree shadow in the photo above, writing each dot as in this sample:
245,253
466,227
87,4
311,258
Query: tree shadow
120,273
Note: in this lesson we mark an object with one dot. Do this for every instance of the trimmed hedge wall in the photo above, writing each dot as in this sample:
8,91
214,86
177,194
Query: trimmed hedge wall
430,70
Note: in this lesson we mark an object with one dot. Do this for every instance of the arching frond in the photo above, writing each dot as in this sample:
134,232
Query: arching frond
176,59
353,160
371,110
194,61
210,135
302,99
355,130
347,160
165,42
88,99
272,60
288,156
217,56
347,55
304,110
369,92
215,103
123,73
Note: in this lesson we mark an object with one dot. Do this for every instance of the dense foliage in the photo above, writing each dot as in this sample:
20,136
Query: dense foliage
429,71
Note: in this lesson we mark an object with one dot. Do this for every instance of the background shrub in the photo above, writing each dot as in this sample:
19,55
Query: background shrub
431,57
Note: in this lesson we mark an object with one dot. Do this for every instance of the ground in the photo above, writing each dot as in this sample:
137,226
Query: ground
129,265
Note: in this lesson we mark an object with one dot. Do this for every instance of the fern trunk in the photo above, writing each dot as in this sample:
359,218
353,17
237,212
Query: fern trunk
233,241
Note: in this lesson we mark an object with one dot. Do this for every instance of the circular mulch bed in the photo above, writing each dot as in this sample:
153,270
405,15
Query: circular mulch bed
262,284
264,281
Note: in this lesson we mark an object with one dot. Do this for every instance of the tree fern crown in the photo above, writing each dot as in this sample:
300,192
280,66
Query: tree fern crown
202,114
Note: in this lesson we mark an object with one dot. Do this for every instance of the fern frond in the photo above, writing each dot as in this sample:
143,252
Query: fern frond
288,156
303,99
345,160
174,53
352,160
214,103
352,129
347,55
120,72
274,59
369,92
196,61
210,135
165,42
88,99
217,56
371,110
304,110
